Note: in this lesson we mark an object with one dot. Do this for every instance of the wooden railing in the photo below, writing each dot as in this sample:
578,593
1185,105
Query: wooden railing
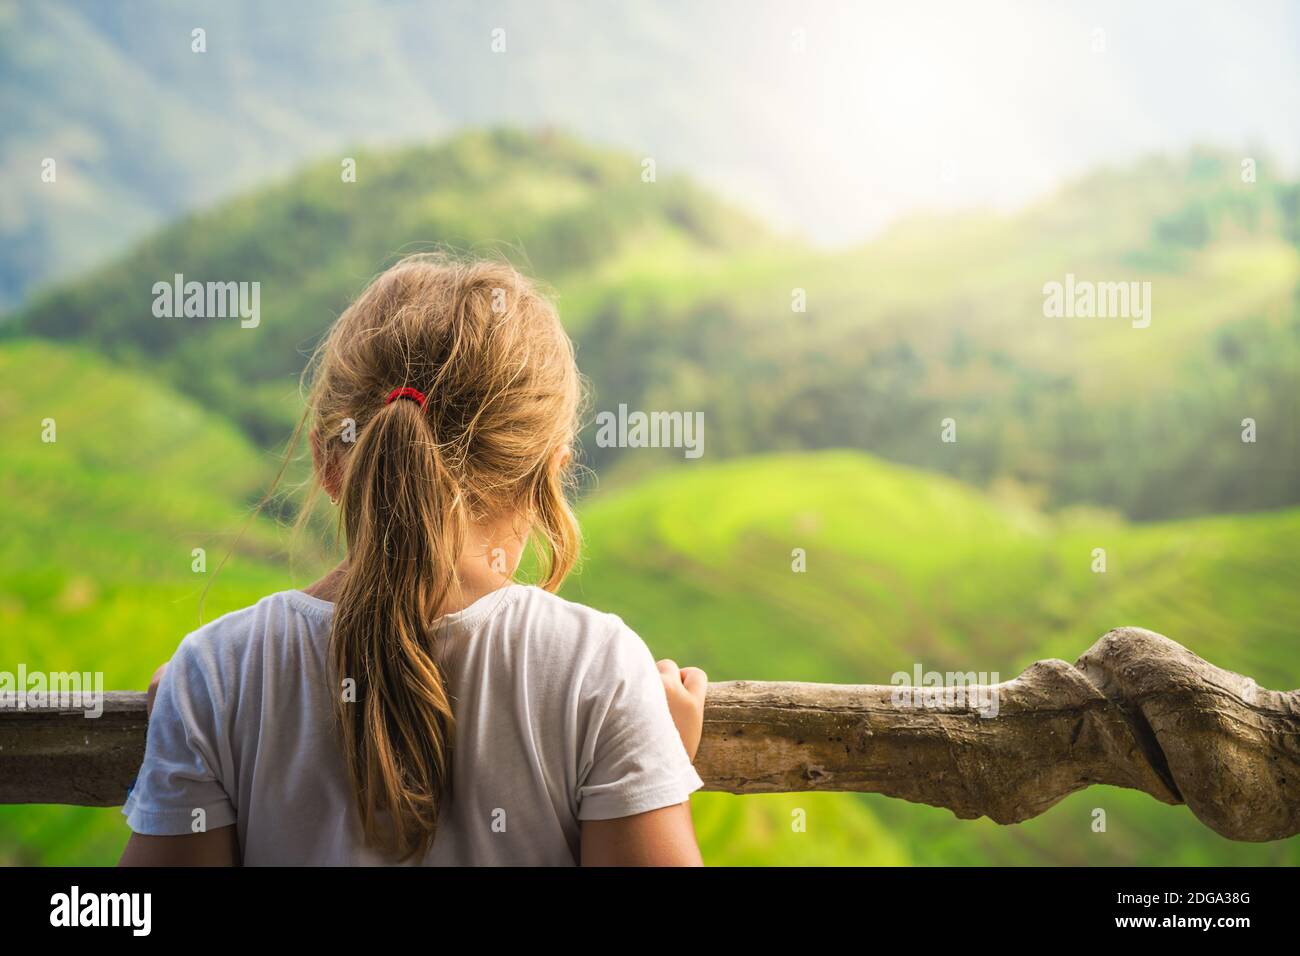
1137,710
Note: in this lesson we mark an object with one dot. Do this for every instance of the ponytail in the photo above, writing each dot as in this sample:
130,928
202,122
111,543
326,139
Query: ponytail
479,439
405,523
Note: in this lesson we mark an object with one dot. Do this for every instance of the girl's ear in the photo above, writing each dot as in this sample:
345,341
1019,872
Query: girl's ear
326,468
561,457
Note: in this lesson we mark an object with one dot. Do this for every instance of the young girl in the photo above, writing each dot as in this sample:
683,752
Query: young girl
415,705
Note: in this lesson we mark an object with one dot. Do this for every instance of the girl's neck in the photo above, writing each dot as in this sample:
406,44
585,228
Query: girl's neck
487,565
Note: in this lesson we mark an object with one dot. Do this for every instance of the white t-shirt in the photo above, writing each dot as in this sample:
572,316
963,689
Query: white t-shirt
560,717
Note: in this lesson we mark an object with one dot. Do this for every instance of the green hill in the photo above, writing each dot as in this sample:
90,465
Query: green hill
906,567
97,558
902,566
677,301
577,215
136,478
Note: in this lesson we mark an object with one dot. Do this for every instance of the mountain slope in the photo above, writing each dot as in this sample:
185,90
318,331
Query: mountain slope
575,214
678,302
97,563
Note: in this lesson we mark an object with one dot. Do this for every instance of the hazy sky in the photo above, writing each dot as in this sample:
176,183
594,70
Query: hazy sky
895,107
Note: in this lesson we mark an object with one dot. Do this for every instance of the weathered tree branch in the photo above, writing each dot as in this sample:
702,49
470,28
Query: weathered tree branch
1137,711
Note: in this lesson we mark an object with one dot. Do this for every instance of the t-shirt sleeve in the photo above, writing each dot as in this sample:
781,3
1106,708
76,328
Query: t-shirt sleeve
633,757
181,760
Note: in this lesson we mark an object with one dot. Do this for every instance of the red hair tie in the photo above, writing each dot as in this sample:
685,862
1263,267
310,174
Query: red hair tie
414,394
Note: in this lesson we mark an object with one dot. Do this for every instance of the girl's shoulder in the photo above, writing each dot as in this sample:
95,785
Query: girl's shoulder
582,639
223,643
559,617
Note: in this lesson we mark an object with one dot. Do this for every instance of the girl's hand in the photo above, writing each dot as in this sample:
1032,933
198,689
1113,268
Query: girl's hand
685,688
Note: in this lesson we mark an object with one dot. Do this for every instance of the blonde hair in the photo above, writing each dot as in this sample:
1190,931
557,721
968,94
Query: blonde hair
502,398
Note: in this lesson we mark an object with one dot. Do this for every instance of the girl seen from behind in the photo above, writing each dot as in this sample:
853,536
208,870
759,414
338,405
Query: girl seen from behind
416,704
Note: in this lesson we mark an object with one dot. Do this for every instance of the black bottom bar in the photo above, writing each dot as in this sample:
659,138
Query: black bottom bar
871,906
